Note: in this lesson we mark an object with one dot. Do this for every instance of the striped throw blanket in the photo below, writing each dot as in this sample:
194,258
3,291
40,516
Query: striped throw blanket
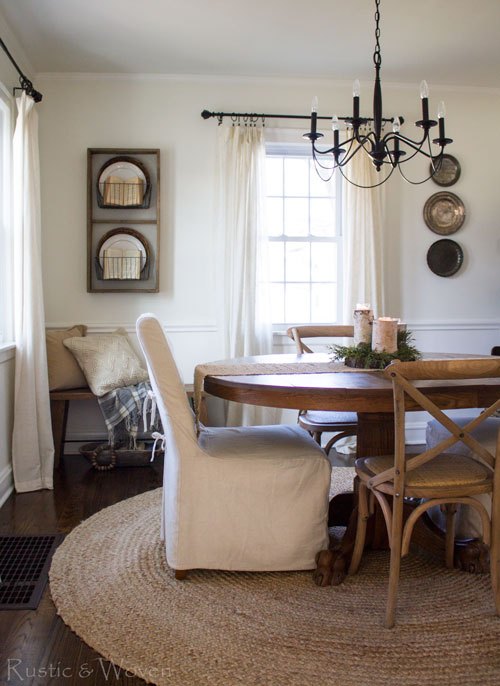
122,410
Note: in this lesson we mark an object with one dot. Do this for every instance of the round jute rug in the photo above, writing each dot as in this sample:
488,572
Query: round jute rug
112,586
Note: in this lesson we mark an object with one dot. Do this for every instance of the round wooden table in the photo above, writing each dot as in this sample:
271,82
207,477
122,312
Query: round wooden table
369,394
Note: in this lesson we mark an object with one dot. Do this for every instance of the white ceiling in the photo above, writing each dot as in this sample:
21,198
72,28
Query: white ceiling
452,42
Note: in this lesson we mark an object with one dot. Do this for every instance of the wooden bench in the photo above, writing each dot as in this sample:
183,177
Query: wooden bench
59,408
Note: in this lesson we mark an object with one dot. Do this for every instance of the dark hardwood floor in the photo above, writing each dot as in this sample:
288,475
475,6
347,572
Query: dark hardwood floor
36,647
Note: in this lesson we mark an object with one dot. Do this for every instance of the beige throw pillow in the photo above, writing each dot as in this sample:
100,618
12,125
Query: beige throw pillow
107,360
64,371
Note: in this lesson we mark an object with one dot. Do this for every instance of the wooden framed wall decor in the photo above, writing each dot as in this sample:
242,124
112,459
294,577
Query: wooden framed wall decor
123,220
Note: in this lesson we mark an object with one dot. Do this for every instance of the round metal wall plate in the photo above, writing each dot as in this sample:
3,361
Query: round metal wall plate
444,213
449,171
445,257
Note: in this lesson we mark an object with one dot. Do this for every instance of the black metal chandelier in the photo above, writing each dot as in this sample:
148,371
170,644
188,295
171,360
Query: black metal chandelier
387,150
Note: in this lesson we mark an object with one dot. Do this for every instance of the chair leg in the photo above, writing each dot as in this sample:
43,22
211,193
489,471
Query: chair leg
317,436
450,511
495,534
359,543
337,437
181,574
395,564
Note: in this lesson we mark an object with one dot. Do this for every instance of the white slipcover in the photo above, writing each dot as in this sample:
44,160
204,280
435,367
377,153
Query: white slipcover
237,498
468,522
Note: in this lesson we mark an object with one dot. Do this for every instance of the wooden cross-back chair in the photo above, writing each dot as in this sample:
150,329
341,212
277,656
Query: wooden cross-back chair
439,478
317,422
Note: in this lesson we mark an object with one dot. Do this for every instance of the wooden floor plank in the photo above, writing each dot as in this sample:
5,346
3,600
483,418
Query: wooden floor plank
32,641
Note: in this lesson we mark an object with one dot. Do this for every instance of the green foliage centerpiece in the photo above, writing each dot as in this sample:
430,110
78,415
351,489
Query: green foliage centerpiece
362,356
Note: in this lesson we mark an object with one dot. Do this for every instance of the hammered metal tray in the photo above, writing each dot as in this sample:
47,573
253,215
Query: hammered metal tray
444,213
449,171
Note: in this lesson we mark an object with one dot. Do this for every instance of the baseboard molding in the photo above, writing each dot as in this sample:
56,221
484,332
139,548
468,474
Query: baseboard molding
6,484
75,440
415,433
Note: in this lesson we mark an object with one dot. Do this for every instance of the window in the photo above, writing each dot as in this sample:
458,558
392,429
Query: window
305,241
5,218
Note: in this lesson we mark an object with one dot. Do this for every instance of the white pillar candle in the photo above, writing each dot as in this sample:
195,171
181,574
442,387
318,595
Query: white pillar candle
385,335
363,318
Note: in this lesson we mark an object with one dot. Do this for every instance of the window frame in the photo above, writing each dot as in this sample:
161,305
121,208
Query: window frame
303,150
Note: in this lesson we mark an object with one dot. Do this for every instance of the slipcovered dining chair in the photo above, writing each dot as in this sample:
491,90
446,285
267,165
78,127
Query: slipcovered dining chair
236,498
437,477
317,422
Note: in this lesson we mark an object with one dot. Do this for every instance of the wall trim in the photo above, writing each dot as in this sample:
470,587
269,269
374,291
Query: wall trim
130,328
7,352
253,78
470,325
6,484
430,325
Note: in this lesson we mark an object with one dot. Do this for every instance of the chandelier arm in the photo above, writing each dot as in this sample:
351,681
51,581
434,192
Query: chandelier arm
394,137
417,148
434,169
317,164
391,135
415,183
349,155
358,185
329,176
348,141
317,151
416,145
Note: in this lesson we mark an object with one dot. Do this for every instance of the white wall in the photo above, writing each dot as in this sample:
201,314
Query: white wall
460,313
80,112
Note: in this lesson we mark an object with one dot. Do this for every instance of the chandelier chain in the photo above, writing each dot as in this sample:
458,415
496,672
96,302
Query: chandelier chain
377,56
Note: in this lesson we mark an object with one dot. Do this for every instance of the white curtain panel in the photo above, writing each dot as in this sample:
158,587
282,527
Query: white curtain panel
248,331
363,239
32,444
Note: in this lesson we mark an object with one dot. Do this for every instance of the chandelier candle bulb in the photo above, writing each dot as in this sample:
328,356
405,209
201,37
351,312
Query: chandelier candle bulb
362,319
385,335
335,129
355,99
314,114
424,94
441,115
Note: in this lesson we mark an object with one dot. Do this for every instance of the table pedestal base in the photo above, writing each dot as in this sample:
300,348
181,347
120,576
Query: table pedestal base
375,437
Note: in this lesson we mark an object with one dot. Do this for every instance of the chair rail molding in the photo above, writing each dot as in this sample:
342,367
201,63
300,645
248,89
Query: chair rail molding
455,325
7,352
130,328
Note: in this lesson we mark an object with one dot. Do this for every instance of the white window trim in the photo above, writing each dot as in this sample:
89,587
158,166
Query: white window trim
284,142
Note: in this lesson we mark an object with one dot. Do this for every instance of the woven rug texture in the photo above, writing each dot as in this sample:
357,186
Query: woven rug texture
111,584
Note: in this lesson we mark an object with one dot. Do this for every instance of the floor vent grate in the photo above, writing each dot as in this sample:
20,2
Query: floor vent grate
24,568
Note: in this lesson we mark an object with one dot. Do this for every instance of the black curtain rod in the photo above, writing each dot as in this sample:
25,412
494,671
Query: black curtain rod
253,117
26,84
